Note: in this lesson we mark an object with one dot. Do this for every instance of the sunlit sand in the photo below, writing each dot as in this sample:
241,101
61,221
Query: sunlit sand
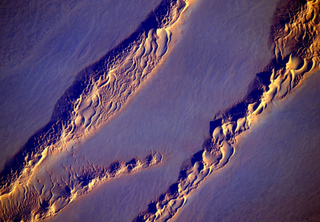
185,127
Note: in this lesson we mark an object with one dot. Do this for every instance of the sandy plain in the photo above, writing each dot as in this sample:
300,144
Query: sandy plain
216,50
210,61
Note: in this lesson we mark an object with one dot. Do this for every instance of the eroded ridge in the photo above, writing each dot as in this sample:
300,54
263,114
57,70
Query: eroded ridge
98,93
48,192
295,44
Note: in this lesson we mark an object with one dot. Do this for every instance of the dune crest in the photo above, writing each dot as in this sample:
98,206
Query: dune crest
295,40
28,187
47,193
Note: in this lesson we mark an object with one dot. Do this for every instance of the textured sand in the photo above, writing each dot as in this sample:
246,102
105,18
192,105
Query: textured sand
275,174
208,90
70,36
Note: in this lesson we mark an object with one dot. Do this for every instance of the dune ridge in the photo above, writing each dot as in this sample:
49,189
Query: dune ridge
46,194
27,191
295,42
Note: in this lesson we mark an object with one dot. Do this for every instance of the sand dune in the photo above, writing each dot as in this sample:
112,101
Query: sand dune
35,187
292,62
45,194
97,94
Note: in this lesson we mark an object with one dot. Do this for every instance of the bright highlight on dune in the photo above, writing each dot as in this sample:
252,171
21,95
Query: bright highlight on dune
28,192
292,62
44,177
